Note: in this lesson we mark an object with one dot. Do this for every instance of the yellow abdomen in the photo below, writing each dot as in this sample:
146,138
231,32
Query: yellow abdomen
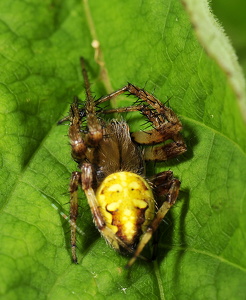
127,205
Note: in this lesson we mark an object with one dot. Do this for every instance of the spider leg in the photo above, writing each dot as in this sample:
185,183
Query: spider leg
146,98
80,140
112,95
161,183
161,131
63,120
170,199
95,131
167,151
166,127
165,122
77,140
154,136
74,183
122,109
135,91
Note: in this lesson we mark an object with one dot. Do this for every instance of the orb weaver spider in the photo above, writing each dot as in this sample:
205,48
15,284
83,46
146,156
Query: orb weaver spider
127,208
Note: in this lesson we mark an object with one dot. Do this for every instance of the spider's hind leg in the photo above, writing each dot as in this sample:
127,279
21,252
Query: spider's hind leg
74,183
164,185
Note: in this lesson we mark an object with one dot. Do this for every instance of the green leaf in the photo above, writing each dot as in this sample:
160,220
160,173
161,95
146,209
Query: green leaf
159,45
231,15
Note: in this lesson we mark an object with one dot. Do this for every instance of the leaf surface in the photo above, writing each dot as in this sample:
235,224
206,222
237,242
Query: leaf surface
153,45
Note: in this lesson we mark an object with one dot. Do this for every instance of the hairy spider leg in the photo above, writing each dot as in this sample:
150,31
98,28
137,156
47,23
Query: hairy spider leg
94,134
95,131
74,183
171,198
166,124
79,141
161,184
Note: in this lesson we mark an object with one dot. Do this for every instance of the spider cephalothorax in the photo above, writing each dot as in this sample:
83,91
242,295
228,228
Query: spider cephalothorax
112,164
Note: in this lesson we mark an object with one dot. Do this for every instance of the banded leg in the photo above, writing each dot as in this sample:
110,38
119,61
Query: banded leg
161,185
155,136
165,152
170,188
162,113
95,132
74,183
162,129
165,122
80,139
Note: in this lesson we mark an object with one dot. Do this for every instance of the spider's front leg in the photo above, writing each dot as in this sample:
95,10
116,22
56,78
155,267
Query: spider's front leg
95,131
83,138
77,139
166,125
164,185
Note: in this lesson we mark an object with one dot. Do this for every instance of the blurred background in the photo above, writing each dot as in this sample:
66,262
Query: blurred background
232,16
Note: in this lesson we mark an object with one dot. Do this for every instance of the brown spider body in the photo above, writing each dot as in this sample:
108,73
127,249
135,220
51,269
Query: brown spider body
112,168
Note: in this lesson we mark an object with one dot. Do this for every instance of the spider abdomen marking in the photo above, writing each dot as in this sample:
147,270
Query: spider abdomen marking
127,205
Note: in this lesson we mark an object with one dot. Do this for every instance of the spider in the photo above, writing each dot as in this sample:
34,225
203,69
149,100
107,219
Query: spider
127,208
